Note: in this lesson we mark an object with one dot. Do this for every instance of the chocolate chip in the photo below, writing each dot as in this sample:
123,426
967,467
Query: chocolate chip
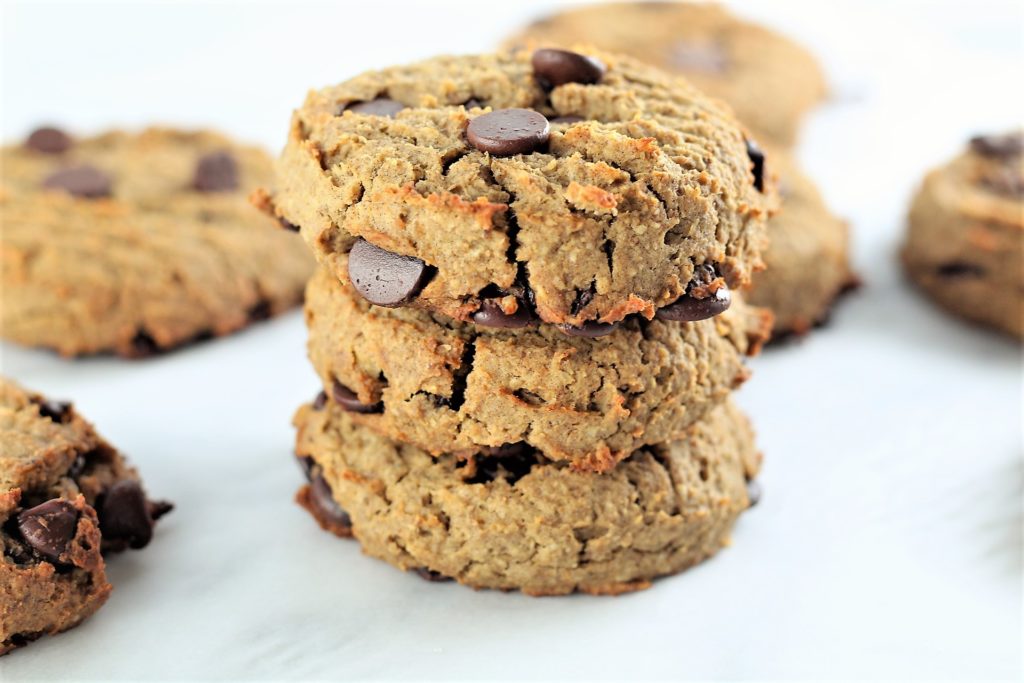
558,67
320,401
158,508
58,411
698,303
216,172
706,58
490,314
321,498
473,103
49,528
48,140
144,345
431,575
385,278
753,492
507,132
261,310
959,269
999,146
757,164
288,225
382,106
348,400
306,465
590,329
80,181
124,516
571,118
510,461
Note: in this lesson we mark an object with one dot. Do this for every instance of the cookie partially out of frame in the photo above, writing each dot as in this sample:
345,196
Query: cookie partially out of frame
447,386
516,521
135,243
580,188
965,234
769,80
66,496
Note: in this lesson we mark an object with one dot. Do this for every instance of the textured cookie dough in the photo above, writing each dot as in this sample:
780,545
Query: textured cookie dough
768,80
152,263
608,218
807,259
520,522
449,387
965,238
49,456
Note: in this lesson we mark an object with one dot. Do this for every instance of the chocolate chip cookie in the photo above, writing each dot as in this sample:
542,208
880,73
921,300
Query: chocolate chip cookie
136,243
446,386
65,496
770,81
513,520
807,258
965,239
577,188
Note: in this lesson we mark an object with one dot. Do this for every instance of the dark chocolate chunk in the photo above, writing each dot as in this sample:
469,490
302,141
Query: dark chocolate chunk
431,575
48,140
216,172
490,314
382,106
125,516
348,400
999,146
80,181
49,528
58,411
757,164
590,329
321,498
383,277
558,67
507,132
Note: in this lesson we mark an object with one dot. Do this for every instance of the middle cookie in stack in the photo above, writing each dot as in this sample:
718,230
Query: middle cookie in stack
523,319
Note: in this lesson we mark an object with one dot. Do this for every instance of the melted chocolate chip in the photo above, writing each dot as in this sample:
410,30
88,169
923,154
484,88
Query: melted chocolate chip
58,411
558,67
382,106
49,528
349,401
80,181
320,401
431,575
321,498
507,132
216,172
698,303
306,464
490,314
999,146
158,508
49,140
757,164
383,277
287,225
590,329
125,516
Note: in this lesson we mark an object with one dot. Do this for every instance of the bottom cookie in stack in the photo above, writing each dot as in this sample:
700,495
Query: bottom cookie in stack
509,519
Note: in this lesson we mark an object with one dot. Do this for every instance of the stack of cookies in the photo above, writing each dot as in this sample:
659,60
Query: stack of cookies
525,319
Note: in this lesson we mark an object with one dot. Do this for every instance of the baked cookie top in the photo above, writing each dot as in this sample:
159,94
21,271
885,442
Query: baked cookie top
513,520
456,387
136,242
584,188
768,80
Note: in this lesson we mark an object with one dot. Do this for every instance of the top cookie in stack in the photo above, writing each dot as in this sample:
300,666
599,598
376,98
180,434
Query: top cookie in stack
523,323
585,188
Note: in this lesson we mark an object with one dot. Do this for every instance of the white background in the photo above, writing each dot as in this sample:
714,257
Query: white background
888,543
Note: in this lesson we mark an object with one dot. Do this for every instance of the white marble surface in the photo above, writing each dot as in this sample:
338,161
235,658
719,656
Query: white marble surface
888,544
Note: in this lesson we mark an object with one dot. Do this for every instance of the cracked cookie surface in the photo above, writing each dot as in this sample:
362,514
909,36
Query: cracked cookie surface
640,180
515,522
965,235
768,80
55,468
447,386
807,260
136,243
